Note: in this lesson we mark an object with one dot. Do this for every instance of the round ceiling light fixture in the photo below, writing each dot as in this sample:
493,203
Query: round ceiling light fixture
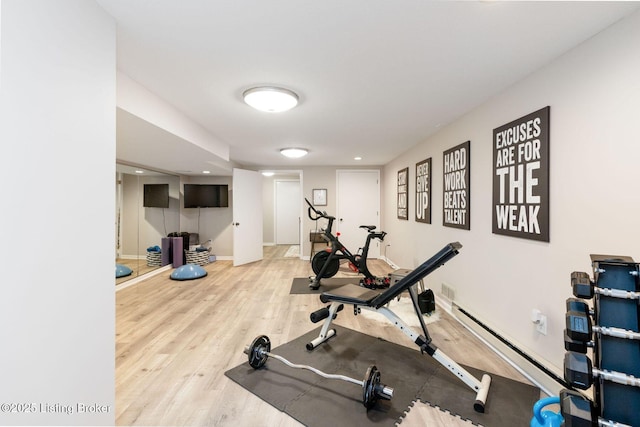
294,153
270,99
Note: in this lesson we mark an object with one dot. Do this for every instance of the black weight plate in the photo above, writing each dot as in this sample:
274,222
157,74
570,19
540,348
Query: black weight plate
257,351
371,381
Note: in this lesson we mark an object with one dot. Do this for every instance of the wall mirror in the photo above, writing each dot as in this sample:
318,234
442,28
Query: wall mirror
147,209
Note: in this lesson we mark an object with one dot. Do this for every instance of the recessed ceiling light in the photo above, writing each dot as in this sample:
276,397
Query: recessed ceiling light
357,158
139,171
266,173
270,99
294,153
205,172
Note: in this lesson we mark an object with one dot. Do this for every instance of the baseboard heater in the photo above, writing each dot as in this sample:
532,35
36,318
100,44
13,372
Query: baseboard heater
551,388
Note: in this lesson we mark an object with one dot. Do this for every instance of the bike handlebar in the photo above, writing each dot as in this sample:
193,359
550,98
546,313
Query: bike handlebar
380,235
318,213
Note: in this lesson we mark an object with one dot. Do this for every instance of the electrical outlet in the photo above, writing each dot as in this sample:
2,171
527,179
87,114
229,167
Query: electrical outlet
541,326
540,321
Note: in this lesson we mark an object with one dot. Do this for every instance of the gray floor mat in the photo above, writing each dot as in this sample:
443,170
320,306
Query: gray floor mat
316,401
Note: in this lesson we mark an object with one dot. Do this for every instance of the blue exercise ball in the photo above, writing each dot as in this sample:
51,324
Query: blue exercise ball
188,272
122,270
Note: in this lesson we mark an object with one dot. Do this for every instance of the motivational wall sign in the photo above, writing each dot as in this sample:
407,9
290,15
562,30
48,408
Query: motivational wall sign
423,191
521,177
403,191
456,205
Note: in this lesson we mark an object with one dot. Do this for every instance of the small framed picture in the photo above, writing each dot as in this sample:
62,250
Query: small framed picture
320,196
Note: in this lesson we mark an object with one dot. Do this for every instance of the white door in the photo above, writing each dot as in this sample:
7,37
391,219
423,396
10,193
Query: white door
287,212
247,216
358,203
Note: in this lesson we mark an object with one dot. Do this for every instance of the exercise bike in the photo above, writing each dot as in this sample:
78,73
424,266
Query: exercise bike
327,262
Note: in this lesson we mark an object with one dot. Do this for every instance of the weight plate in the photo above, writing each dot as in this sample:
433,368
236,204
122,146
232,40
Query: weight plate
371,381
258,351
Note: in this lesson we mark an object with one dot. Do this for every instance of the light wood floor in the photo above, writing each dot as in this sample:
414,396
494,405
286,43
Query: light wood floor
175,340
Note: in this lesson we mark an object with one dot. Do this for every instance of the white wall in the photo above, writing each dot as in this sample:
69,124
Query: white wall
594,95
210,223
57,107
140,102
156,223
321,177
144,227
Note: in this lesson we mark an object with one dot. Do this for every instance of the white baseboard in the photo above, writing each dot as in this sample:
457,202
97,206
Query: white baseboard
139,279
509,352
391,263
137,257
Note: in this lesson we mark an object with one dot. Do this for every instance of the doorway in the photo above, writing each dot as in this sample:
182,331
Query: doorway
358,203
287,212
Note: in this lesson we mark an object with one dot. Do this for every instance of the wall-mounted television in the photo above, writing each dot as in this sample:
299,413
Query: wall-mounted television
156,196
206,195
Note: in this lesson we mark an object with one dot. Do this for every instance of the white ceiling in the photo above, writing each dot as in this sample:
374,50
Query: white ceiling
375,77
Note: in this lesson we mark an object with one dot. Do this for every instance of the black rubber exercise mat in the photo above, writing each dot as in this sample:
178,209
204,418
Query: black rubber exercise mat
316,401
300,285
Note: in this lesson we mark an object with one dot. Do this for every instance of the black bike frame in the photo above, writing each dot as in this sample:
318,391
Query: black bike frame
339,251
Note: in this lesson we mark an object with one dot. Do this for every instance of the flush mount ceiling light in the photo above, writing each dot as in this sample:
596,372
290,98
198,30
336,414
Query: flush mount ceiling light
270,99
294,153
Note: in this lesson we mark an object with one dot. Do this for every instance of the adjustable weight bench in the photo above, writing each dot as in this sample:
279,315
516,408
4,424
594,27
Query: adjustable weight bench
365,299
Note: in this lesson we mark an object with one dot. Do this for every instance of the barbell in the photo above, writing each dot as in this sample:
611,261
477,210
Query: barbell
260,350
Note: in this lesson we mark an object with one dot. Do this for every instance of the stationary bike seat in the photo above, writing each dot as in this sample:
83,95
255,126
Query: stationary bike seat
368,227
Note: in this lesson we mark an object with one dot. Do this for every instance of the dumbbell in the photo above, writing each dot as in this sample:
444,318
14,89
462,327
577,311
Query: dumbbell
570,344
576,345
579,328
579,372
583,287
575,304
577,410
260,350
